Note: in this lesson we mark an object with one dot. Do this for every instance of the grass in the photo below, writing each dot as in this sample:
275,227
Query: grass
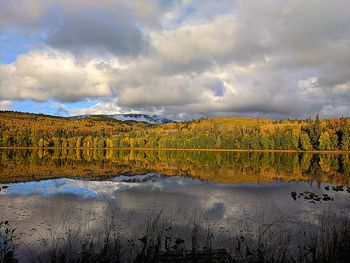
7,246
260,239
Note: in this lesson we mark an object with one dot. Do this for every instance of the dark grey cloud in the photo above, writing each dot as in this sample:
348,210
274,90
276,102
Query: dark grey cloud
95,31
85,26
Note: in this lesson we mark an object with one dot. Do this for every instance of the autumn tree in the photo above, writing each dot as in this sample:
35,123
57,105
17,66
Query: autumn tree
305,143
325,141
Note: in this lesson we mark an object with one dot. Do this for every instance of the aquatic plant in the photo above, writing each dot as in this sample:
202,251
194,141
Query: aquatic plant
260,239
7,246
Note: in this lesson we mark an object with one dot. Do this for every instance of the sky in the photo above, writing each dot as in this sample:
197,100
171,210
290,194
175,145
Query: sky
179,59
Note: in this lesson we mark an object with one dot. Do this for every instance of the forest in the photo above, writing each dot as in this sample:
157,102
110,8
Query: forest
97,131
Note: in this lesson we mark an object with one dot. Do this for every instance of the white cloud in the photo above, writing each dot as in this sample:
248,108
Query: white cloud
5,105
107,107
47,75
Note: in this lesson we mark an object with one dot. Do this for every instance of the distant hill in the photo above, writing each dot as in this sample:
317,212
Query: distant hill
151,119
143,131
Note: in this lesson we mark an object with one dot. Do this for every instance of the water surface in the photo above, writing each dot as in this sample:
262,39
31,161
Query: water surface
51,192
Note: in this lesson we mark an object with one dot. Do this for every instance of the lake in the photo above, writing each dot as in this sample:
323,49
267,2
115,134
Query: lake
249,204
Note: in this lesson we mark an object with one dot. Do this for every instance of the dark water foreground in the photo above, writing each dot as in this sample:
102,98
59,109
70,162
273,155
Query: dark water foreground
173,206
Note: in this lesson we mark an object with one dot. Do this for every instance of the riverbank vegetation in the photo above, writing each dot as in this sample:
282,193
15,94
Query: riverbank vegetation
325,239
7,239
35,130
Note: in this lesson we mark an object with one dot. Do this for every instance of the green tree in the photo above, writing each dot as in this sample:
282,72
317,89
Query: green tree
305,143
315,132
345,141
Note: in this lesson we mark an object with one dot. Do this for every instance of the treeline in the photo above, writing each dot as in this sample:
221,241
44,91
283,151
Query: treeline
31,130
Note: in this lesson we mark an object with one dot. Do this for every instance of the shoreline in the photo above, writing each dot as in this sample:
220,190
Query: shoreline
177,149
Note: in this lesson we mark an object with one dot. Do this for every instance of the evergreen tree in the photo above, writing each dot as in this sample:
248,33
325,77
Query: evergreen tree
315,132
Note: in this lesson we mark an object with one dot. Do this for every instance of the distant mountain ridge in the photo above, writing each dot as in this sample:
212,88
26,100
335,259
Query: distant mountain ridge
151,119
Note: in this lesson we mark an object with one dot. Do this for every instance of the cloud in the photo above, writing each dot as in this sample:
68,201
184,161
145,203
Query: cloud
85,26
191,48
100,33
186,58
54,75
106,107
5,105
20,14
